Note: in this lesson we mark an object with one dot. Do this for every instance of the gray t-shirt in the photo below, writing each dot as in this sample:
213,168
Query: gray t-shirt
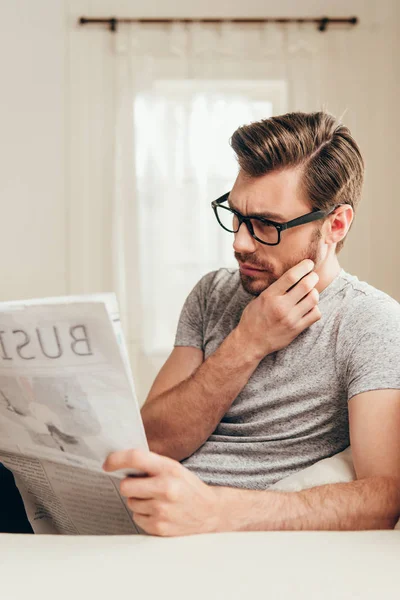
293,410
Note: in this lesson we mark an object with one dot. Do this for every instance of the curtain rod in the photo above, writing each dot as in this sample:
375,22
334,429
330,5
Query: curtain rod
321,22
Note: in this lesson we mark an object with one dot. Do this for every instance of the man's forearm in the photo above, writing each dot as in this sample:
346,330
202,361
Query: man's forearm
180,420
372,503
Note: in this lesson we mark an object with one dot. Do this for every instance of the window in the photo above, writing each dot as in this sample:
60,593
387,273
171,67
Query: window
183,160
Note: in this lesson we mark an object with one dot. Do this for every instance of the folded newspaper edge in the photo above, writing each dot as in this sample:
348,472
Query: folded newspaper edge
67,399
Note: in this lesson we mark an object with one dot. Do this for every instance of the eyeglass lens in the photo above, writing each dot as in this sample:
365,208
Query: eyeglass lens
229,221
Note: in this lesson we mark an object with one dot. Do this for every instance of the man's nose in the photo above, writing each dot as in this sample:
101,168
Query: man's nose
244,242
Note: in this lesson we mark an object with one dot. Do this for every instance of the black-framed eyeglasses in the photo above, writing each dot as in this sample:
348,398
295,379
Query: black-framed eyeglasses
263,230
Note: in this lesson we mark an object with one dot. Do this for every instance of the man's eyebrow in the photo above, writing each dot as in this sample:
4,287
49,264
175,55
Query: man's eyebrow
266,215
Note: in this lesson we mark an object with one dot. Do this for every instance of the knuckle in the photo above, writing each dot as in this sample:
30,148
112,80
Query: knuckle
130,504
304,287
314,295
124,487
138,520
264,298
132,456
171,490
314,314
292,277
313,278
310,280
159,510
280,312
159,528
174,467
289,323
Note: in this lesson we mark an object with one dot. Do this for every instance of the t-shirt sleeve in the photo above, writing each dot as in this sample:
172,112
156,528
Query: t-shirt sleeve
372,345
190,330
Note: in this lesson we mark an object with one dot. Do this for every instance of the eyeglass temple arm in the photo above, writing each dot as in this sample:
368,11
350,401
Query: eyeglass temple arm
314,216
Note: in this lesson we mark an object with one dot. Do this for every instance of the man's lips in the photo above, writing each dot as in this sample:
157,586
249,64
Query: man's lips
249,269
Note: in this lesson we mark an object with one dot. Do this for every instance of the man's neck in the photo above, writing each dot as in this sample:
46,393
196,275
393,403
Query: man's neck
327,271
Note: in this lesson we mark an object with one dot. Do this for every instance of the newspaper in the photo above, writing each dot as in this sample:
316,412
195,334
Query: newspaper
67,400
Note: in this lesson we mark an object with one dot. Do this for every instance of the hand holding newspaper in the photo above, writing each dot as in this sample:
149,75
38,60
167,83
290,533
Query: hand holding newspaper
67,400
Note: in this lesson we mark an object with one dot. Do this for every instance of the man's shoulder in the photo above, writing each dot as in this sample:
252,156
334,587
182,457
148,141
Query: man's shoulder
223,282
363,293
365,305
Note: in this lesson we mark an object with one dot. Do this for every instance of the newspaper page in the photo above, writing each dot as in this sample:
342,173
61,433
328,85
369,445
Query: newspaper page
67,400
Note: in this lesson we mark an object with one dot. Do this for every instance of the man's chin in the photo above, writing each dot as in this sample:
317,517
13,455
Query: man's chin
256,285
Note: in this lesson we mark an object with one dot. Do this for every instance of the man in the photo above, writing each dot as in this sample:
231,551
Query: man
279,364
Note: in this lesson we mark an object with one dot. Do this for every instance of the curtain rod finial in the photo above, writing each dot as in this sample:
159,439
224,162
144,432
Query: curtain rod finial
323,24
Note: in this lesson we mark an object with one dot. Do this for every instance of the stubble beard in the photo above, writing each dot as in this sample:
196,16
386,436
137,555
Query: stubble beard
256,285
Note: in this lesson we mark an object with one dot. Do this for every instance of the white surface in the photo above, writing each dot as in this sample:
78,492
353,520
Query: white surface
276,565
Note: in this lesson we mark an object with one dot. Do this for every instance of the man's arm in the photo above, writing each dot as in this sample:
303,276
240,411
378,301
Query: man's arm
178,420
190,397
173,501
372,502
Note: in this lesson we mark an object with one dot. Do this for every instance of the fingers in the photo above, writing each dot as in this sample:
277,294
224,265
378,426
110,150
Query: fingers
140,507
292,277
306,304
312,317
140,487
140,460
151,525
302,288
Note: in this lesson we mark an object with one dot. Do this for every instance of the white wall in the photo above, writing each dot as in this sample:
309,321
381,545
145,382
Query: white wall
33,239
55,99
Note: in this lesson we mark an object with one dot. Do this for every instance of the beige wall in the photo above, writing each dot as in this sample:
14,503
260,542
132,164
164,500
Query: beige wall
56,118
33,244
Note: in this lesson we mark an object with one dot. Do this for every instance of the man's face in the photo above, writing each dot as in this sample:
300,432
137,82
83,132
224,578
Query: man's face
276,196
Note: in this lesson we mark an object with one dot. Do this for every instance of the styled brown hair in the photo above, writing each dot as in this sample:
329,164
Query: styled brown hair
317,143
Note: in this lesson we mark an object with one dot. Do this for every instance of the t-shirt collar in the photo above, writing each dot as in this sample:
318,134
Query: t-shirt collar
335,285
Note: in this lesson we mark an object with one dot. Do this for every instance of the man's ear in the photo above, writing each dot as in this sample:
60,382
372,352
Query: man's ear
338,224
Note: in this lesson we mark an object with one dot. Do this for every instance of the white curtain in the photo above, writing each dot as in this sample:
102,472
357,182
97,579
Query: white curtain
181,91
